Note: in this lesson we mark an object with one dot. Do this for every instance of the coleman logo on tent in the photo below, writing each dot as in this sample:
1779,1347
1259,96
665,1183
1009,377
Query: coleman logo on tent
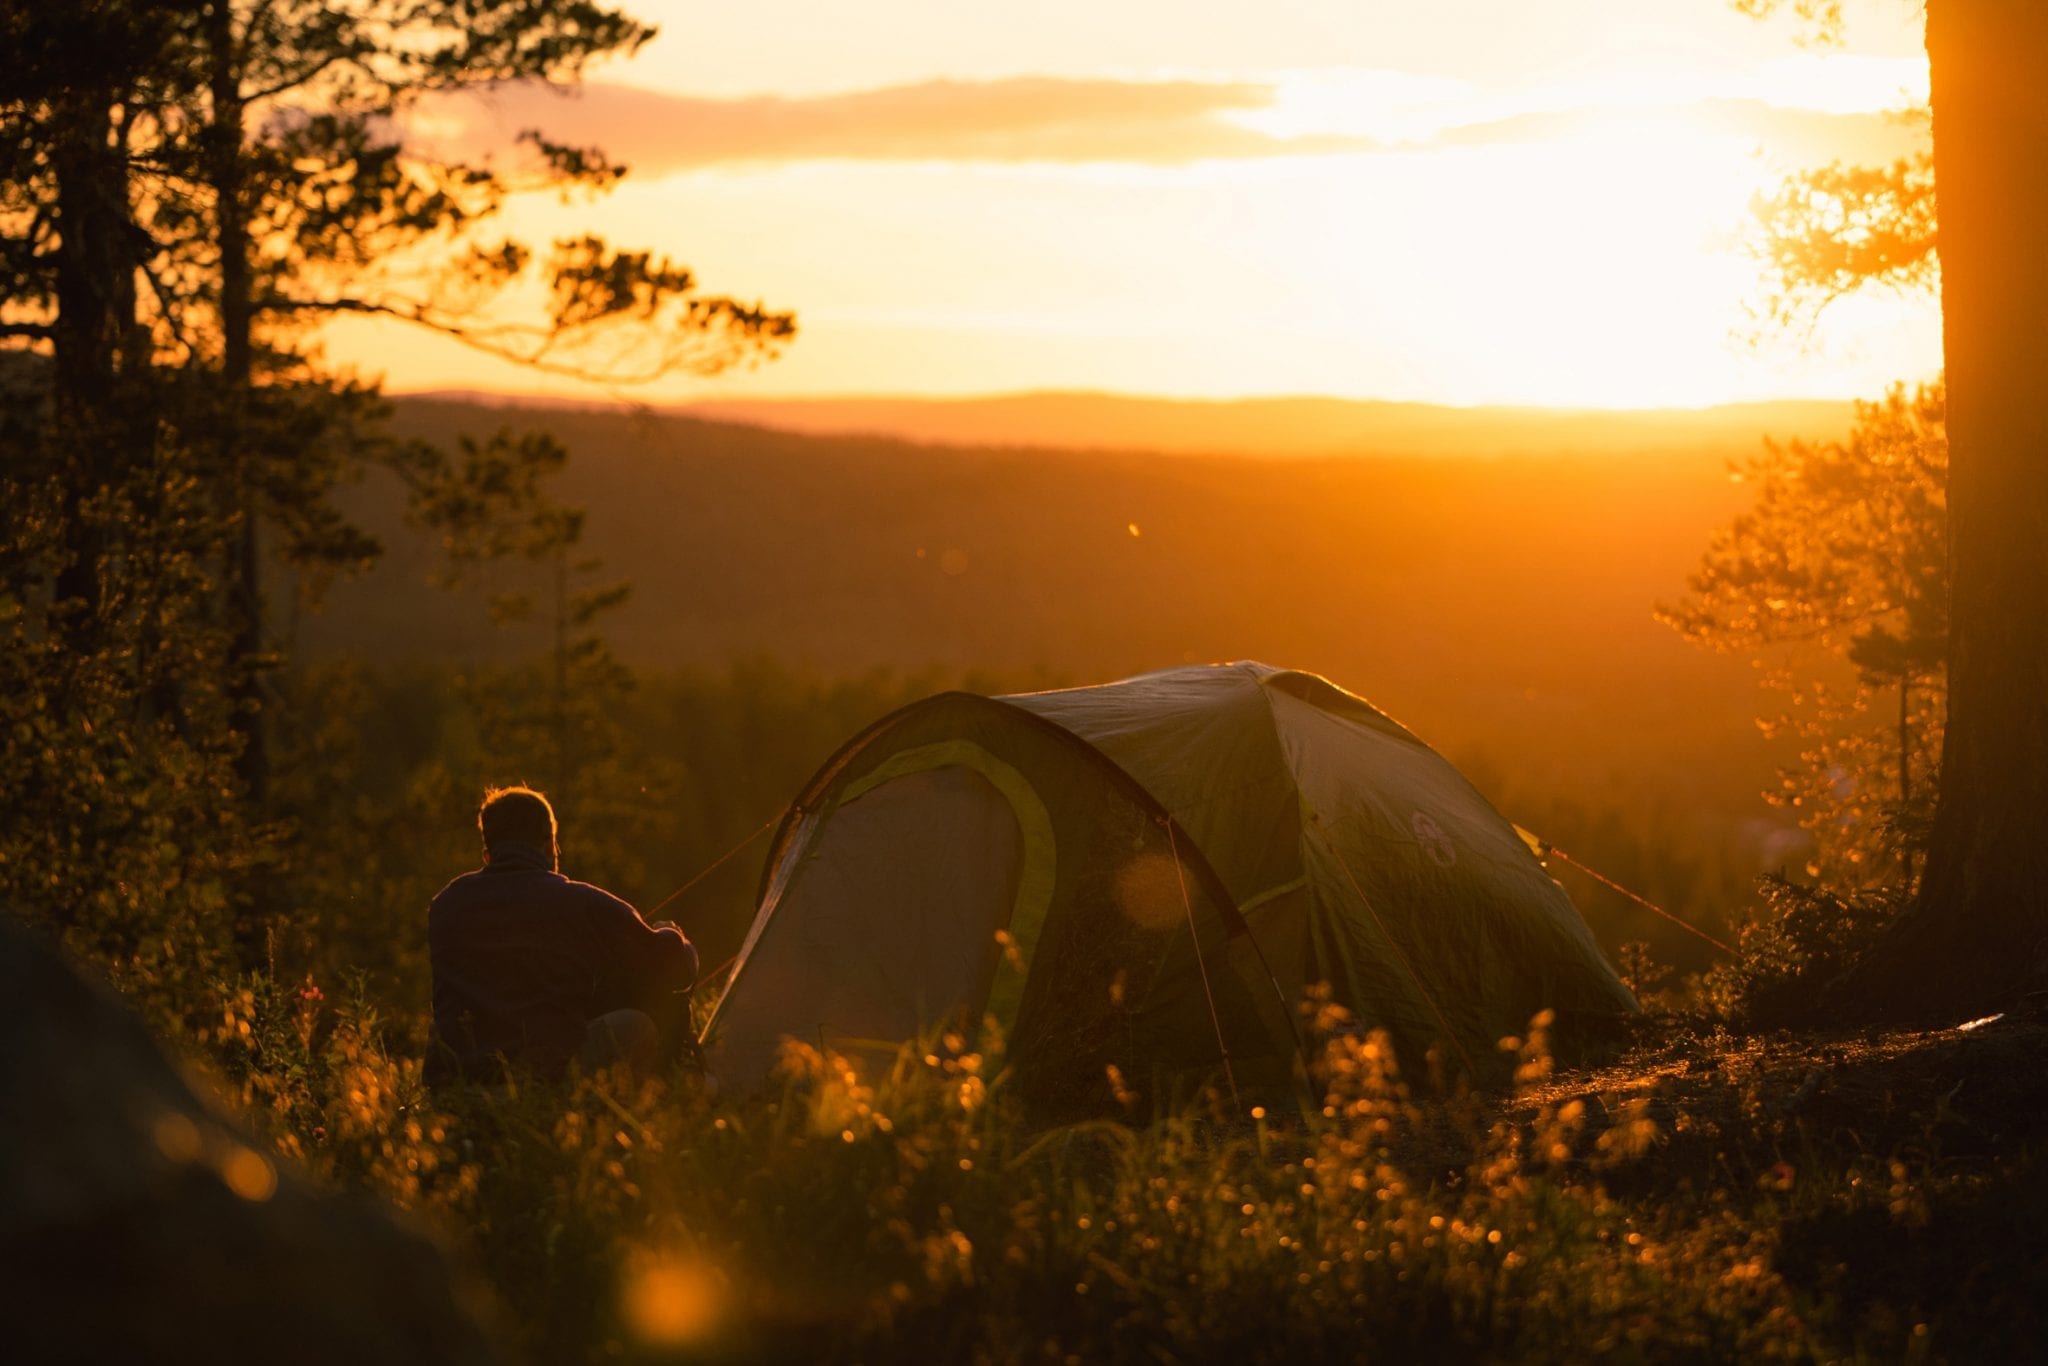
1433,840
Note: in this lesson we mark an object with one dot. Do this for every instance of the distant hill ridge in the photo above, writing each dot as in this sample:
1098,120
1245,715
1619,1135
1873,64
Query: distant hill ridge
1279,426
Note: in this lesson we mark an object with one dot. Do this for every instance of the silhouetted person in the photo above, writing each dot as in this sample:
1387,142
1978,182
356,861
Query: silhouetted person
533,969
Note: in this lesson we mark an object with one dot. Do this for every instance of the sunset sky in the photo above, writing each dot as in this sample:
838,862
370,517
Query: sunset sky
1459,201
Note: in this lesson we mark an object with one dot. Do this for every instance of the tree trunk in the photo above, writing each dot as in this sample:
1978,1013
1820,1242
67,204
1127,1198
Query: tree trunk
1977,938
95,285
1908,856
225,172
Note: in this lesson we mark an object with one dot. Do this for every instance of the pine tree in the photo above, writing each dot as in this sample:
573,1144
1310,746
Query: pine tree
1835,581
192,187
1977,935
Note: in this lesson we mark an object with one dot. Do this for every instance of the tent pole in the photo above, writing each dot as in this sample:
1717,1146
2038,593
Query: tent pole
1201,965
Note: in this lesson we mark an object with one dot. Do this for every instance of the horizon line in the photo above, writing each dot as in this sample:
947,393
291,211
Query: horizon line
529,398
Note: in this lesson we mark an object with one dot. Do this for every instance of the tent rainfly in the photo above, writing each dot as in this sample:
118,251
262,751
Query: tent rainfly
1149,876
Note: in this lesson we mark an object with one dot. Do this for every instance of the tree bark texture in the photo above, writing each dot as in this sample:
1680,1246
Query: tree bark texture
95,280
1977,939
225,155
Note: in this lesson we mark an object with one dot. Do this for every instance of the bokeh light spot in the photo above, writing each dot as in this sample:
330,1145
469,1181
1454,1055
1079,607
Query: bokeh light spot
671,1301
1149,891
250,1175
177,1137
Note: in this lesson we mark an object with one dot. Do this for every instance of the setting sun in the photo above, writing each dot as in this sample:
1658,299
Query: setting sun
1332,203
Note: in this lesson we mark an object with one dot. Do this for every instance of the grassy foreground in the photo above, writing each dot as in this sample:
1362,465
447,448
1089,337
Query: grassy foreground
1707,1197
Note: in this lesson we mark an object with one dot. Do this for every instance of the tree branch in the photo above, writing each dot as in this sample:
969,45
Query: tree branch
312,73
497,340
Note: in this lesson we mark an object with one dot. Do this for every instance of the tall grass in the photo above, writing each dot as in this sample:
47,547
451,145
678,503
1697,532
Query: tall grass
911,1212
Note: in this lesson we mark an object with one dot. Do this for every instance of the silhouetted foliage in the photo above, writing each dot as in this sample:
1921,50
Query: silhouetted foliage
1826,233
1842,560
1819,21
1829,231
1802,939
1977,932
189,188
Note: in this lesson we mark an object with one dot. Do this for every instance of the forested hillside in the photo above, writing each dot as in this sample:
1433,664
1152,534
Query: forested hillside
1498,602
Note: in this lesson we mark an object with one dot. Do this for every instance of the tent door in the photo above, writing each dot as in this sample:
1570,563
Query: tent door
887,927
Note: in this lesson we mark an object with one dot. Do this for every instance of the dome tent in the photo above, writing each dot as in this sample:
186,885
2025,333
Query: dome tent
1147,875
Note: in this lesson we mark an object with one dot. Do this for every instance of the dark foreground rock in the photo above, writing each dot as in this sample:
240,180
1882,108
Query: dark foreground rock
137,1225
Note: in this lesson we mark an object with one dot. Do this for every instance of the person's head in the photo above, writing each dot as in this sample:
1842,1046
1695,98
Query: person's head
517,816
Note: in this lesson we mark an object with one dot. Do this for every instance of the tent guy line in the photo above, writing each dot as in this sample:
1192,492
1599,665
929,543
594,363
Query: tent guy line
718,862
1545,849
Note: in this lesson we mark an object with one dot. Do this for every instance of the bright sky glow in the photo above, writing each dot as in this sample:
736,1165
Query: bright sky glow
1462,201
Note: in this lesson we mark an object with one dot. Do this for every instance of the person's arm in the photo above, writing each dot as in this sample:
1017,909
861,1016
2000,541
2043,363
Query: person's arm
675,953
651,960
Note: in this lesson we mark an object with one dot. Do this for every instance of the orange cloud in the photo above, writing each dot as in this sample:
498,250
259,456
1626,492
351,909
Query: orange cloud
1046,119
1024,119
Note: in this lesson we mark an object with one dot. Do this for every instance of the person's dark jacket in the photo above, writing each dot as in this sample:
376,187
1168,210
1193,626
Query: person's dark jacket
524,958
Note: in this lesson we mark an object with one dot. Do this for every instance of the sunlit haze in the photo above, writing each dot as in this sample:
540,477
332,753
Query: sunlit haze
1458,202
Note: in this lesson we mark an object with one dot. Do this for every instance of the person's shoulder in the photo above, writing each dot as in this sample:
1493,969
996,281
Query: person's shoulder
455,891
590,894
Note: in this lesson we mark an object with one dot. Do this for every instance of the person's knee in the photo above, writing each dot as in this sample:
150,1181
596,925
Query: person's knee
621,1036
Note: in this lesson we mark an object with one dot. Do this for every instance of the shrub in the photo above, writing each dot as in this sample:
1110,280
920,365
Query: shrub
1801,939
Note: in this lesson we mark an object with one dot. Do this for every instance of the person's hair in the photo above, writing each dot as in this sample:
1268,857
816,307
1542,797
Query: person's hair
516,815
